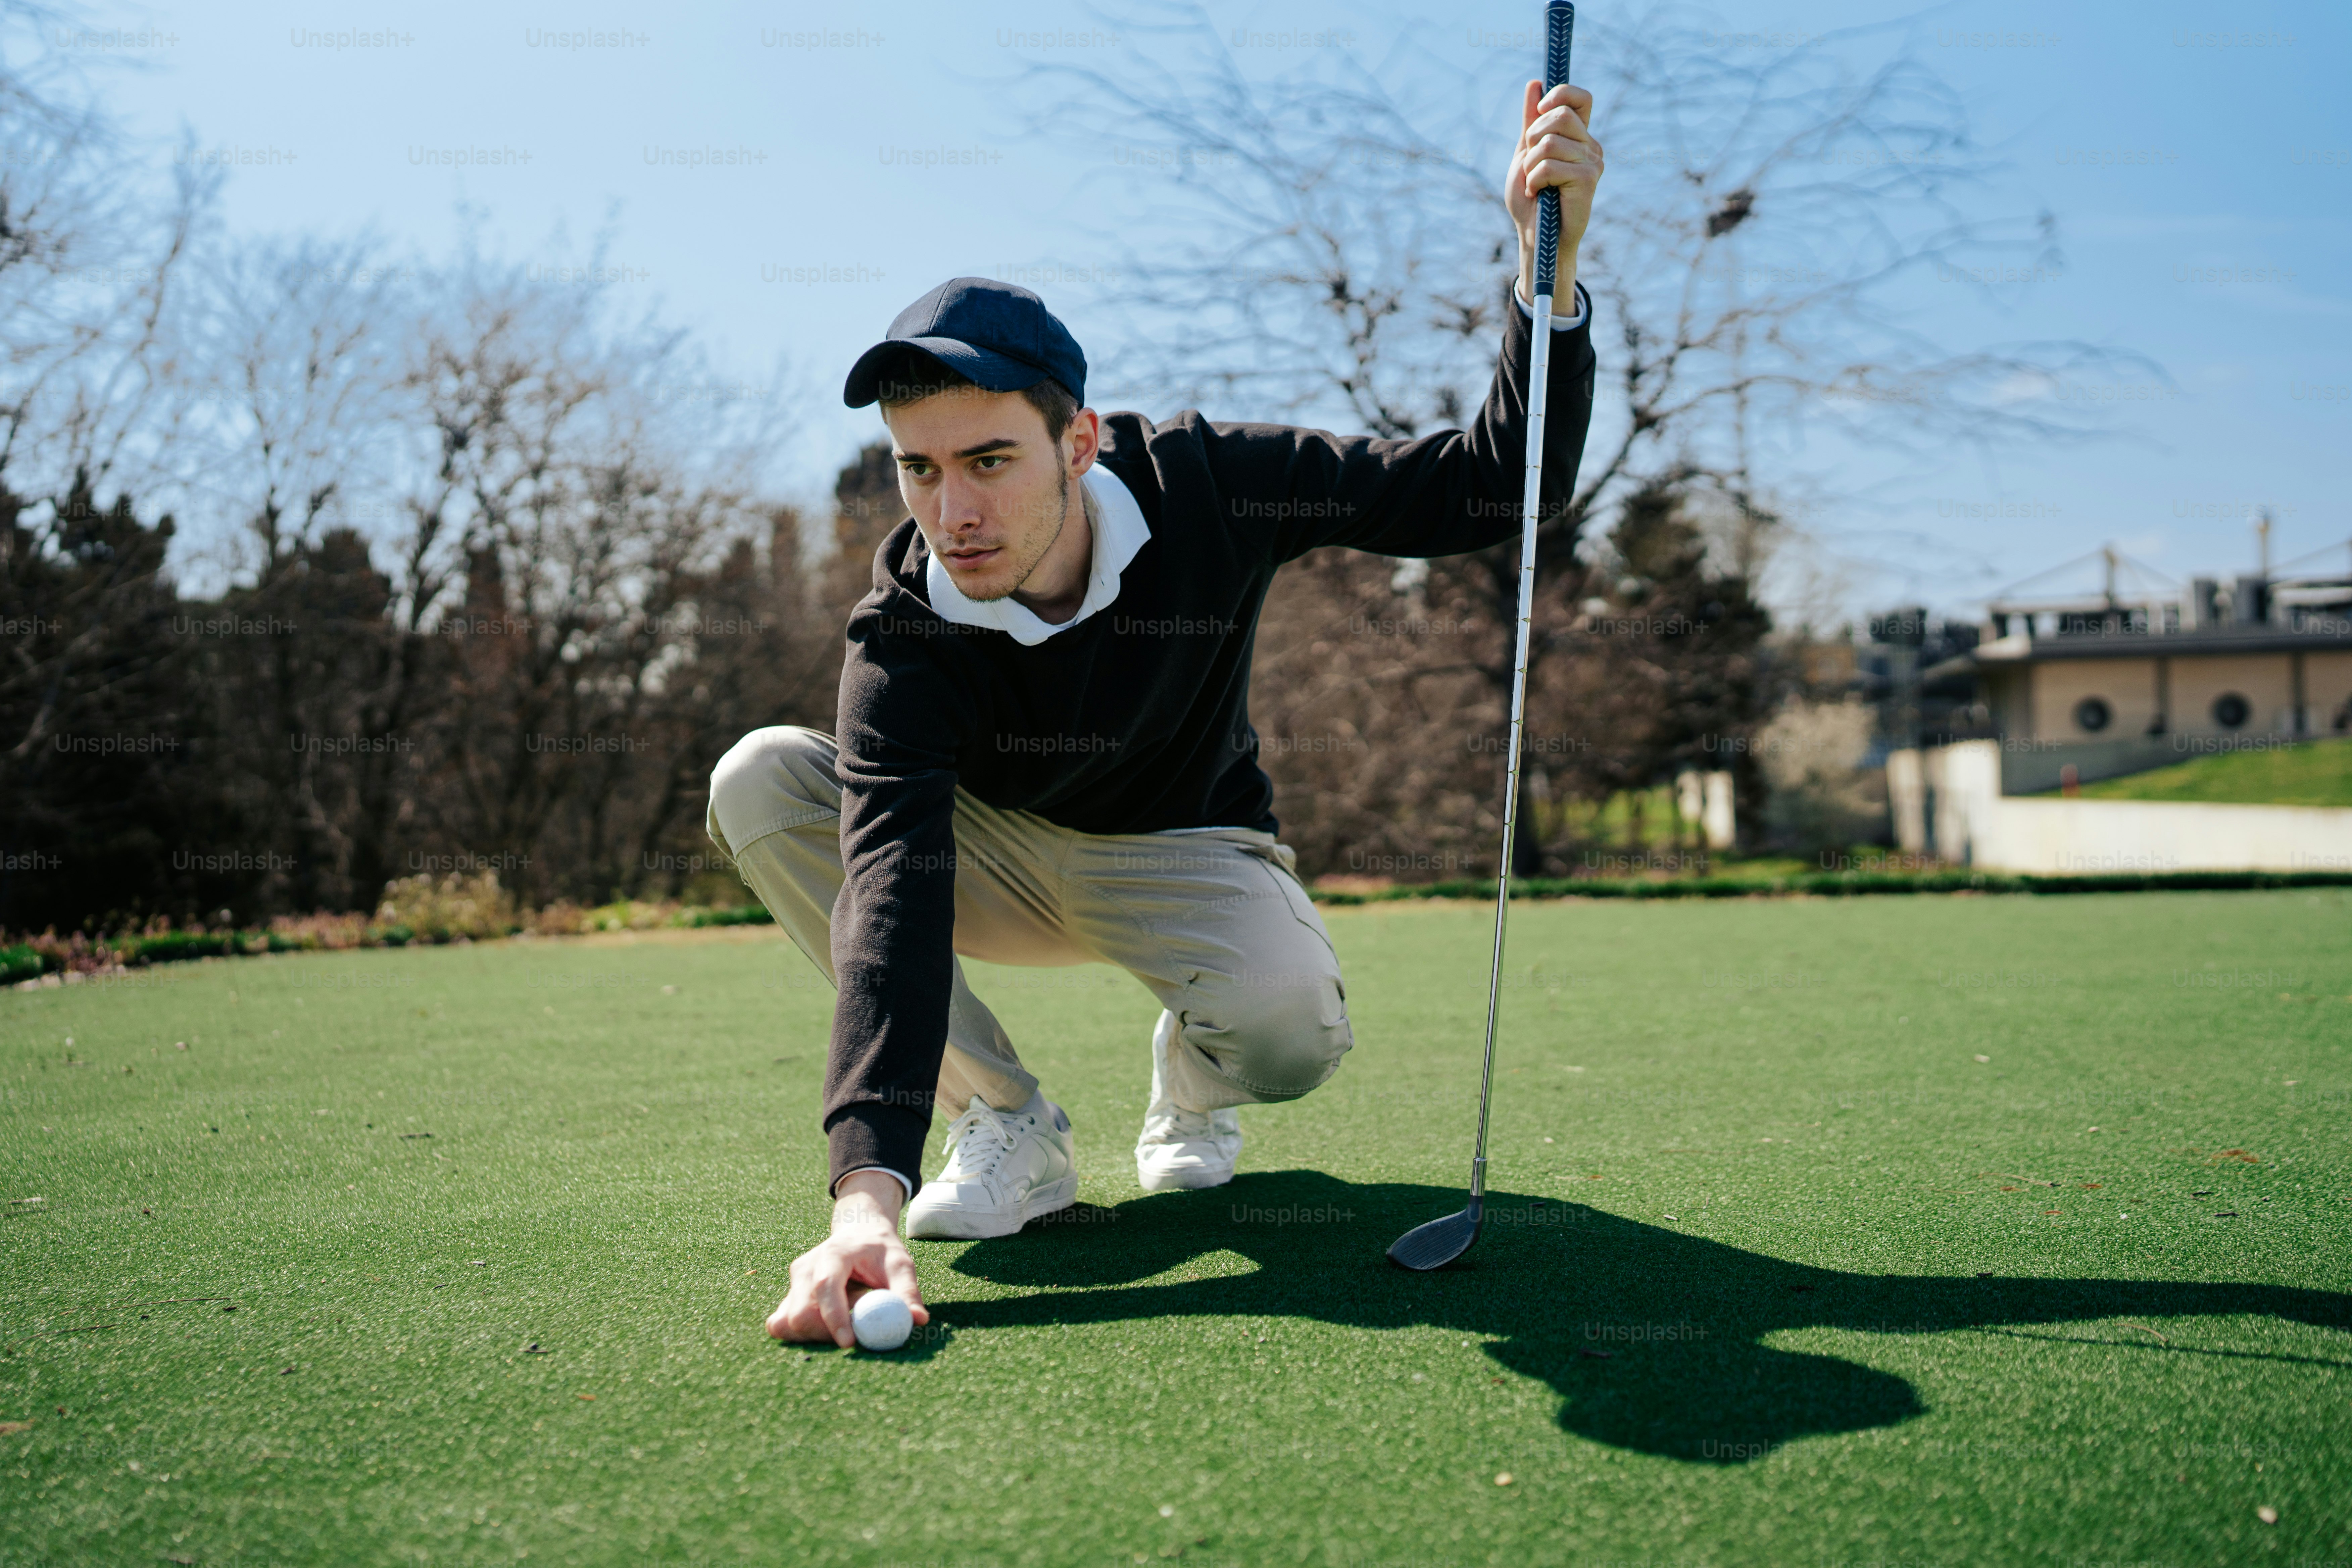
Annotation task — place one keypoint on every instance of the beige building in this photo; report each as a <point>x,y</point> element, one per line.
<point>2102,685</point>
<point>2223,681</point>
<point>2256,656</point>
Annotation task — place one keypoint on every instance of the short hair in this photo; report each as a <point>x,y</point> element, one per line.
<point>917,376</point>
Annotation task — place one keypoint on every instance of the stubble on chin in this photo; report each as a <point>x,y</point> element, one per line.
<point>1004,584</point>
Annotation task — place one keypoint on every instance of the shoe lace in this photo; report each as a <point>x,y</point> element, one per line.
<point>977,1139</point>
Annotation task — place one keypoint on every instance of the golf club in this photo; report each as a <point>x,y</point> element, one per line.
<point>1441,1241</point>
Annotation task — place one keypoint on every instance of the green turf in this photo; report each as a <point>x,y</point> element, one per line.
<point>1780,1269</point>
<point>2319,772</point>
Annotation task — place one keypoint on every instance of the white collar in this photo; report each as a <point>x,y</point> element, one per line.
<point>1119,531</point>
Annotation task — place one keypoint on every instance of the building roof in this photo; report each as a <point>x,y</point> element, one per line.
<point>2022,647</point>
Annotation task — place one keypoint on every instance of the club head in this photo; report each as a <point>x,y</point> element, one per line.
<point>1438,1243</point>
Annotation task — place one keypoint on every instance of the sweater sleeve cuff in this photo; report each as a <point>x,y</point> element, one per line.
<point>1560,323</point>
<point>898,1176</point>
<point>867,1134</point>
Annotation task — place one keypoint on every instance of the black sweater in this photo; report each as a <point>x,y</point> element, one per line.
<point>1133,721</point>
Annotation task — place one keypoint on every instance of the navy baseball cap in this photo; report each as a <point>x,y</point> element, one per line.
<point>999,335</point>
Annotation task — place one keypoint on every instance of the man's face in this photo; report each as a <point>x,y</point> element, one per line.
<point>985,484</point>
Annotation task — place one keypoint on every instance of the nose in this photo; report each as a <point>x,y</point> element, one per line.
<point>960,508</point>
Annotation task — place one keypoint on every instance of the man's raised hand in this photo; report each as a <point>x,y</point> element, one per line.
<point>1556,152</point>
<point>864,1250</point>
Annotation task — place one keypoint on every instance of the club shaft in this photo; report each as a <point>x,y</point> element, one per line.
<point>1531,511</point>
<point>1559,23</point>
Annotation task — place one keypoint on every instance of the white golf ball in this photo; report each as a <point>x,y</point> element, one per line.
<point>882,1319</point>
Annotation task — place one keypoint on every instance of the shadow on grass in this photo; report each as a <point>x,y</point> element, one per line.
<point>1679,1317</point>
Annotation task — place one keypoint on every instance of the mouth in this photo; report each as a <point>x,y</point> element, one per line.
<point>970,560</point>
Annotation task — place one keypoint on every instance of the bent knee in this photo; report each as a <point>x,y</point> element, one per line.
<point>771,780</point>
<point>1282,1041</point>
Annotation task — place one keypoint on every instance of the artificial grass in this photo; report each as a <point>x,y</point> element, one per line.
<point>1807,1244</point>
<point>2316,772</point>
<point>1840,884</point>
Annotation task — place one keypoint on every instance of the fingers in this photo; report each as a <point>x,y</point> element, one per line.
<point>1562,166</point>
<point>901,1271</point>
<point>1556,146</point>
<point>884,1264</point>
<point>830,1295</point>
<point>1566,110</point>
<point>1567,95</point>
<point>818,1305</point>
<point>786,1321</point>
<point>795,1318</point>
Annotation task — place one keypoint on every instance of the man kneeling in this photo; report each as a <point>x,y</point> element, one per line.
<point>1045,757</point>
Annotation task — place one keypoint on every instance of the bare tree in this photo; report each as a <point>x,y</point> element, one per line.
<point>1764,212</point>
<point>290,356</point>
<point>92,250</point>
<point>1761,209</point>
<point>292,351</point>
<point>582,599</point>
<point>587,490</point>
<point>92,247</point>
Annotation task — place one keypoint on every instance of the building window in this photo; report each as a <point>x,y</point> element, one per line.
<point>2231,710</point>
<point>2092,715</point>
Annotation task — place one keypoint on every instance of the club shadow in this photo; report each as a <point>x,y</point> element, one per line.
<point>1653,1338</point>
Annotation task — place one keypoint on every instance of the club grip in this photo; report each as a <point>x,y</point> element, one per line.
<point>1560,28</point>
<point>1559,23</point>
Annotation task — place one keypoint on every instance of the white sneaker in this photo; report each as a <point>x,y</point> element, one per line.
<point>1178,1148</point>
<point>1004,1168</point>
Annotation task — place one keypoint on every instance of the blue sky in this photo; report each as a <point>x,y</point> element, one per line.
<point>2177,144</point>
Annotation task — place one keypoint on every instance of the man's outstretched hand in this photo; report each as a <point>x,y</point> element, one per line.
<point>864,1250</point>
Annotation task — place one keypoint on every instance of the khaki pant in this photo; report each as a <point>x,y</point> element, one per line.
<point>1214,923</point>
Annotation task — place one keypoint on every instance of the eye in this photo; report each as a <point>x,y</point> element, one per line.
<point>992,462</point>
<point>916,470</point>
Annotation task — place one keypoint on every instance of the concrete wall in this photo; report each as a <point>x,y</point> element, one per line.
<point>1970,822</point>
<point>1907,800</point>
<point>2030,767</point>
<point>1706,798</point>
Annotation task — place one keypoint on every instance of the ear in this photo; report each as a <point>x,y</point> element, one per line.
<point>1082,442</point>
